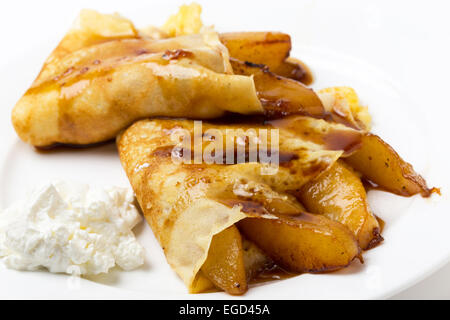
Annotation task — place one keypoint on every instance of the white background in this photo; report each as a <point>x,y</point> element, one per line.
<point>409,40</point>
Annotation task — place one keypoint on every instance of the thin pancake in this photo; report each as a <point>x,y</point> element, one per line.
<point>186,204</point>
<point>103,77</point>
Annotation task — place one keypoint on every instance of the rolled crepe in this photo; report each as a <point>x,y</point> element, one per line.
<point>104,75</point>
<point>186,204</point>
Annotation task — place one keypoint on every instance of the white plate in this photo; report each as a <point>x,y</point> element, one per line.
<point>416,236</point>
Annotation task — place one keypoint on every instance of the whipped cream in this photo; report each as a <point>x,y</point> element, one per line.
<point>71,228</point>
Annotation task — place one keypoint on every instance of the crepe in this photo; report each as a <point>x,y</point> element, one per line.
<point>105,74</point>
<point>186,204</point>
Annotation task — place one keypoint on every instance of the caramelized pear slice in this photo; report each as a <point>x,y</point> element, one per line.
<point>378,162</point>
<point>224,265</point>
<point>339,194</point>
<point>201,283</point>
<point>280,96</point>
<point>268,48</point>
<point>294,69</point>
<point>305,243</point>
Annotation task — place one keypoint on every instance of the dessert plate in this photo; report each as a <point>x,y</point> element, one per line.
<point>416,237</point>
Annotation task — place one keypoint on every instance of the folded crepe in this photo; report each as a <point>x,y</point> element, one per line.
<point>105,74</point>
<point>187,203</point>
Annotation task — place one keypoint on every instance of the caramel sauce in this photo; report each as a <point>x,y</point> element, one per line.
<point>257,206</point>
<point>295,69</point>
<point>247,206</point>
<point>272,273</point>
<point>381,223</point>
<point>301,71</point>
<point>176,54</point>
<point>280,96</point>
<point>349,141</point>
<point>285,157</point>
<point>335,139</point>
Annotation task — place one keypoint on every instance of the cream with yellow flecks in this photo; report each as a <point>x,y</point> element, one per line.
<point>345,102</point>
<point>186,21</point>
